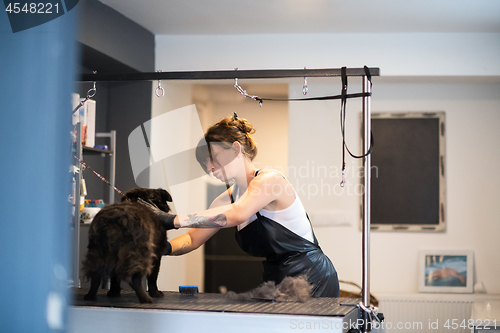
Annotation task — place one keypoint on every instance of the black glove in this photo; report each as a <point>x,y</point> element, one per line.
<point>166,219</point>
<point>168,249</point>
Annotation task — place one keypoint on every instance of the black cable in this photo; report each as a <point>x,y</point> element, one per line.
<point>321,98</point>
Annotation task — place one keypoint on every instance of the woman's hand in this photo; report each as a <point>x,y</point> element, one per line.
<point>165,218</point>
<point>190,241</point>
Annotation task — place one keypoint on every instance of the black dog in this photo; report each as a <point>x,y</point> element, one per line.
<point>126,240</point>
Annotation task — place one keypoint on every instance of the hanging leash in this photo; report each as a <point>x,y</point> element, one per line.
<point>86,166</point>
<point>344,96</point>
<point>321,98</point>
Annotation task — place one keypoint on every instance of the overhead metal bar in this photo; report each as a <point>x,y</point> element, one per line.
<point>226,74</point>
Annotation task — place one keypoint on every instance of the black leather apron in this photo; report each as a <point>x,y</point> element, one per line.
<point>288,254</point>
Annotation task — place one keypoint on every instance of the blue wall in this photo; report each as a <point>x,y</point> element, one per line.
<point>112,43</point>
<point>37,78</point>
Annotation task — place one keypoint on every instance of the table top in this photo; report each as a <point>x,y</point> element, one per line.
<point>324,306</point>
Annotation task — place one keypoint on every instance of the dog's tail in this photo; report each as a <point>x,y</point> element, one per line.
<point>93,262</point>
<point>97,251</point>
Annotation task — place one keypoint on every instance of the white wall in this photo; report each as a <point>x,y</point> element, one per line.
<point>217,101</point>
<point>397,54</point>
<point>421,72</point>
<point>472,157</point>
<point>188,269</point>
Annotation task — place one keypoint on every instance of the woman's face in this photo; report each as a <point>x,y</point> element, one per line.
<point>223,163</point>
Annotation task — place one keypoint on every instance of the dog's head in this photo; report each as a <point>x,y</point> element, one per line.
<point>159,197</point>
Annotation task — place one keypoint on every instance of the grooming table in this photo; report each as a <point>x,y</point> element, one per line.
<point>204,312</point>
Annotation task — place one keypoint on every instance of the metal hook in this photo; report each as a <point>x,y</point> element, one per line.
<point>342,183</point>
<point>159,88</point>
<point>91,92</point>
<point>244,92</point>
<point>237,86</point>
<point>304,87</point>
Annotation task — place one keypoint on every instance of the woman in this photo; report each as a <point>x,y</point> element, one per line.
<point>270,218</point>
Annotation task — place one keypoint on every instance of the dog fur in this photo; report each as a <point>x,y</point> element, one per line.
<point>126,242</point>
<point>291,289</point>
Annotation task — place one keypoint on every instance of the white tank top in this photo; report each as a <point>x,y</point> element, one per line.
<point>293,217</point>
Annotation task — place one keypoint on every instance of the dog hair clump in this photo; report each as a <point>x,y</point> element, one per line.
<point>291,289</point>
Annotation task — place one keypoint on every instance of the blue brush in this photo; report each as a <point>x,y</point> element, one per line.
<point>188,290</point>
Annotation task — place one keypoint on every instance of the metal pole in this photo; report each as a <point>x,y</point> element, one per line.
<point>226,74</point>
<point>366,198</point>
<point>112,166</point>
<point>76,217</point>
<point>112,162</point>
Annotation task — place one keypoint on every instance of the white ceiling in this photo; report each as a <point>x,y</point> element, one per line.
<point>310,16</point>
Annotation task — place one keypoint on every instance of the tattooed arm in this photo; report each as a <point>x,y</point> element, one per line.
<point>222,214</point>
<point>260,192</point>
<point>203,227</point>
<point>211,218</point>
<point>196,221</point>
<point>196,237</point>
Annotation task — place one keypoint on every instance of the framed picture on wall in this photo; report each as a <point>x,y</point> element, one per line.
<point>408,179</point>
<point>446,271</point>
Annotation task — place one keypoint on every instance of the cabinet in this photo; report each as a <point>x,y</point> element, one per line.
<point>79,151</point>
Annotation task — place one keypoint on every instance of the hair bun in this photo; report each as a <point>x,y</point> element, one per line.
<point>244,125</point>
<point>229,130</point>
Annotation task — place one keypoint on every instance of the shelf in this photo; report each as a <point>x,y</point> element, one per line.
<point>96,150</point>
<point>79,150</point>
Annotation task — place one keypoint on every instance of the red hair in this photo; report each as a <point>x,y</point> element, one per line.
<point>225,133</point>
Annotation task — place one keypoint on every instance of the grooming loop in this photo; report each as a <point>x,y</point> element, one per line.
<point>92,91</point>
<point>160,92</point>
<point>90,94</point>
